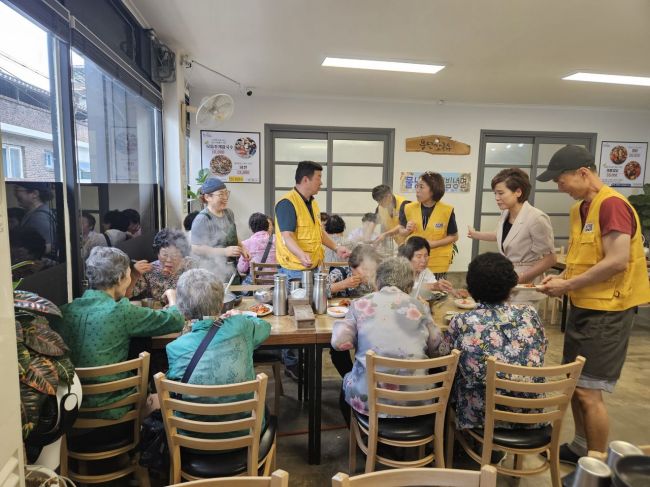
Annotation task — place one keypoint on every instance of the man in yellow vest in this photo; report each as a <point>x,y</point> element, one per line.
<point>606,280</point>
<point>299,234</point>
<point>388,208</point>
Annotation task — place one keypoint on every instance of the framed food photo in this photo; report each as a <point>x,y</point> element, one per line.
<point>233,157</point>
<point>622,164</point>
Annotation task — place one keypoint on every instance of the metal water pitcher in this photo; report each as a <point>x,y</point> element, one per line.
<point>320,294</point>
<point>280,294</point>
<point>308,283</point>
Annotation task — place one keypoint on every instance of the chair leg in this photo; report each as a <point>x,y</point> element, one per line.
<point>277,374</point>
<point>352,448</point>
<point>519,462</point>
<point>142,475</point>
<point>451,438</point>
<point>554,461</point>
<point>438,451</point>
<point>371,456</point>
<point>63,460</point>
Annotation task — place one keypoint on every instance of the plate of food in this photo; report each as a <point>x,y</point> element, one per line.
<point>345,303</point>
<point>632,170</point>
<point>465,303</point>
<point>245,147</point>
<point>337,311</point>
<point>261,309</point>
<point>529,285</point>
<point>618,154</point>
<point>221,165</point>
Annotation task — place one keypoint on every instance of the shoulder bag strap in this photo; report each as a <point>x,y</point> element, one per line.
<point>108,240</point>
<point>199,351</point>
<point>267,250</point>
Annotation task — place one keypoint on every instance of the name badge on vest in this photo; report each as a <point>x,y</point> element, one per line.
<point>439,225</point>
<point>588,228</point>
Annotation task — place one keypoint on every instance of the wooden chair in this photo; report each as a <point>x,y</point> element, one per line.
<point>422,422</point>
<point>196,457</point>
<point>553,398</point>
<point>279,478</point>
<point>263,273</point>
<point>108,438</point>
<point>407,477</point>
<point>326,266</point>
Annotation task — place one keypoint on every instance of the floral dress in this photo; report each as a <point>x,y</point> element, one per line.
<point>513,334</point>
<point>153,284</point>
<point>391,323</point>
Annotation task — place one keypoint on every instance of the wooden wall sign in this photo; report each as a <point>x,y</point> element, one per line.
<point>436,144</point>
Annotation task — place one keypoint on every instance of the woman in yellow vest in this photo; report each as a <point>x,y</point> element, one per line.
<point>430,218</point>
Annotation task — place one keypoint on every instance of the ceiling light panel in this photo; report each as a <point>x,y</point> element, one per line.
<point>381,65</point>
<point>616,79</point>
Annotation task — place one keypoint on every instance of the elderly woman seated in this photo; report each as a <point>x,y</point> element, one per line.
<point>416,250</point>
<point>388,321</point>
<point>98,326</point>
<point>357,279</point>
<point>513,334</point>
<point>229,356</point>
<point>151,280</point>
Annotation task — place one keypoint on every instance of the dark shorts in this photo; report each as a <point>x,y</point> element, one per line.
<point>601,337</point>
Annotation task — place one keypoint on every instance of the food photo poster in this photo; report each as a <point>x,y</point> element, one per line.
<point>233,157</point>
<point>622,164</point>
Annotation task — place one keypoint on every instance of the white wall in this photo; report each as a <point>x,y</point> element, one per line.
<point>462,122</point>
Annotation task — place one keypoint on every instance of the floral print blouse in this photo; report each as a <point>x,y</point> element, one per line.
<point>512,334</point>
<point>391,323</point>
<point>154,283</point>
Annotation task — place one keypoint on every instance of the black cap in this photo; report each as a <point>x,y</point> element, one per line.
<point>211,185</point>
<point>568,158</point>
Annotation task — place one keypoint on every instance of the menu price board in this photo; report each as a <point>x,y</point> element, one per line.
<point>233,157</point>
<point>622,164</point>
<point>455,182</point>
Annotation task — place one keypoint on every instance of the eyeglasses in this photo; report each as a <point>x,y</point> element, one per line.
<point>221,194</point>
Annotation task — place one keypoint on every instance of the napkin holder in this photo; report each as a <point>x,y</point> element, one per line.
<point>291,302</point>
<point>303,316</point>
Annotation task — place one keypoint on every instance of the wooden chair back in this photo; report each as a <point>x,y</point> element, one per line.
<point>263,273</point>
<point>137,381</point>
<point>279,478</point>
<point>172,401</point>
<point>135,385</point>
<point>429,391</point>
<point>406,477</point>
<point>553,396</point>
<point>327,266</point>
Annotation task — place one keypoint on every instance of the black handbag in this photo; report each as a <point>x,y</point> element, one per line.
<point>154,450</point>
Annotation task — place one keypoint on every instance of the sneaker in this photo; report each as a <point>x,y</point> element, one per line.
<point>291,371</point>
<point>567,455</point>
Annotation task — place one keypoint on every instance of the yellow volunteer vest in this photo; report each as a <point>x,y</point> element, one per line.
<point>308,234</point>
<point>388,221</point>
<point>439,258</point>
<point>621,291</point>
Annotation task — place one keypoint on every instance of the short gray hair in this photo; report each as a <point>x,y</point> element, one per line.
<point>199,293</point>
<point>106,267</point>
<point>397,272</point>
<point>361,253</point>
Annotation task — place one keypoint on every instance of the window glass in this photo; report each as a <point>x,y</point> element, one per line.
<point>117,144</point>
<point>296,150</point>
<point>31,163</point>
<point>358,151</point>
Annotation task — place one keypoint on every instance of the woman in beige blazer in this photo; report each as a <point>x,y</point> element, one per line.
<point>524,233</point>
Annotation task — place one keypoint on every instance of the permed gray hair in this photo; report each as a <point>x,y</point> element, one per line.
<point>106,267</point>
<point>199,293</point>
<point>361,253</point>
<point>397,272</point>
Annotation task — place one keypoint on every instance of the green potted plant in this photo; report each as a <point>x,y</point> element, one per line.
<point>641,203</point>
<point>193,196</point>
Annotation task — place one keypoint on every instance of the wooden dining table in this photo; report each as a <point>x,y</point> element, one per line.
<point>285,334</point>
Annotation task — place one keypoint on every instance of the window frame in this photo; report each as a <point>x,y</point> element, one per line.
<point>7,148</point>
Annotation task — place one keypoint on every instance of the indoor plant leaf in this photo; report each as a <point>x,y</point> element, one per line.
<point>42,339</point>
<point>26,300</point>
<point>30,405</point>
<point>24,359</point>
<point>41,375</point>
<point>65,370</point>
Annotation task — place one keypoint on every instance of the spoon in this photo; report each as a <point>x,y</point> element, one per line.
<point>232,278</point>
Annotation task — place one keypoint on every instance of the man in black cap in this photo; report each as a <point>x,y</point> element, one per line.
<point>606,279</point>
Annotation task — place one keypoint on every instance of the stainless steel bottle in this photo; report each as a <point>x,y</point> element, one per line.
<point>308,283</point>
<point>320,294</point>
<point>280,294</point>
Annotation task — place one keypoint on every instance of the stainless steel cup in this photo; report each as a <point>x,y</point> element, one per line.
<point>620,449</point>
<point>591,472</point>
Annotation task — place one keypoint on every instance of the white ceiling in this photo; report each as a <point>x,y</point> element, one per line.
<point>496,51</point>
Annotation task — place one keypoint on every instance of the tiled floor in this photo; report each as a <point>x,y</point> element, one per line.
<point>629,409</point>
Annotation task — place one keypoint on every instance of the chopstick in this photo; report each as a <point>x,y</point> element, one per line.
<point>232,278</point>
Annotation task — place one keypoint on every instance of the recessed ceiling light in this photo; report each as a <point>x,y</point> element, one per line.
<point>616,79</point>
<point>338,62</point>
